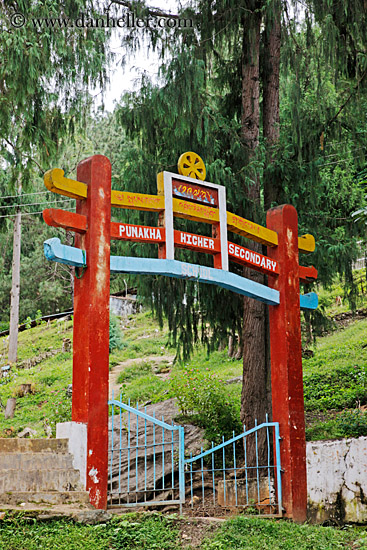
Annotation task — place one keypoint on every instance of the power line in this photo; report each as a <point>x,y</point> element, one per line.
<point>23,195</point>
<point>35,203</point>
<point>23,214</point>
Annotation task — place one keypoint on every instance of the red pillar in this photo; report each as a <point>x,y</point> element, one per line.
<point>286,361</point>
<point>91,324</point>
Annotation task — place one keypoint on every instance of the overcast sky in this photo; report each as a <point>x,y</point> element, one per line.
<point>122,79</point>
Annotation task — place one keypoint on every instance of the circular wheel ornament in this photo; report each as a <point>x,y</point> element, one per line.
<point>191,165</point>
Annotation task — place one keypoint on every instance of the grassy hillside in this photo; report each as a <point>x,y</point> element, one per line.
<point>335,379</point>
<point>153,531</point>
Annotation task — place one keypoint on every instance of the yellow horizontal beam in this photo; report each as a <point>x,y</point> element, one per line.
<point>306,243</point>
<point>194,211</point>
<point>251,230</point>
<point>56,182</point>
<point>137,201</point>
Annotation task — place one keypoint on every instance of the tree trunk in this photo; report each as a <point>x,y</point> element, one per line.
<point>270,79</point>
<point>254,399</point>
<point>10,408</point>
<point>15,289</point>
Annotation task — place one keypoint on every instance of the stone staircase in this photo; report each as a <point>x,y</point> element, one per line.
<point>38,471</point>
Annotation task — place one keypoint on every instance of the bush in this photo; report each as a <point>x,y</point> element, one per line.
<point>343,388</point>
<point>349,423</point>
<point>202,397</point>
<point>116,341</point>
<point>134,372</point>
<point>353,423</point>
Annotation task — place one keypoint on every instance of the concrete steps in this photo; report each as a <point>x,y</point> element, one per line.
<point>38,471</point>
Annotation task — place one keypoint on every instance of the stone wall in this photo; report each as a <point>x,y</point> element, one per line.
<point>337,481</point>
<point>121,306</point>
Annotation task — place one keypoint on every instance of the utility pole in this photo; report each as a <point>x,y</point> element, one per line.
<point>15,284</point>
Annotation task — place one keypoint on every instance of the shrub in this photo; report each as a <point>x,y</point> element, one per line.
<point>116,341</point>
<point>343,388</point>
<point>202,397</point>
<point>134,372</point>
<point>353,423</point>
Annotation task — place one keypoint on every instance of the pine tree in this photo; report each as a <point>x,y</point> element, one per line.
<point>45,75</point>
<point>264,156</point>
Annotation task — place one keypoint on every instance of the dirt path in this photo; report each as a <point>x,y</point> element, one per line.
<point>154,360</point>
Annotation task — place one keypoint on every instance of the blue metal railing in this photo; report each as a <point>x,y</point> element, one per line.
<point>231,484</point>
<point>147,465</point>
<point>149,442</point>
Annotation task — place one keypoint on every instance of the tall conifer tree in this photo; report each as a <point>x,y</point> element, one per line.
<point>220,114</point>
<point>45,77</point>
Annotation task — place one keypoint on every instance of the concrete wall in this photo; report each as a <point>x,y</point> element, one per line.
<point>337,481</point>
<point>123,306</point>
<point>76,433</point>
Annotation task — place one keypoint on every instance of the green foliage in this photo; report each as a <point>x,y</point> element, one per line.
<point>201,397</point>
<point>46,76</point>
<point>353,423</point>
<point>145,388</point>
<point>340,388</point>
<point>38,317</point>
<point>258,534</point>
<point>115,340</point>
<point>348,423</point>
<point>45,286</point>
<point>129,532</point>
<point>28,322</point>
<point>134,372</point>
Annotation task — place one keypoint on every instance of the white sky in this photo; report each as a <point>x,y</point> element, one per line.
<point>122,79</point>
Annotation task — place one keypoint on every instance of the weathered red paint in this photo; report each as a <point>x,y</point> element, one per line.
<point>67,220</point>
<point>286,361</point>
<point>254,260</point>
<point>137,233</point>
<point>199,243</point>
<point>217,258</point>
<point>307,274</point>
<point>91,324</point>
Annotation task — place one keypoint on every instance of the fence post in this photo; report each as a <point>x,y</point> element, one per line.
<point>181,466</point>
<point>286,361</point>
<point>91,324</point>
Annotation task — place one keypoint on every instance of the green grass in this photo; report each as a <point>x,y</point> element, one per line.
<point>48,404</point>
<point>153,531</point>
<point>134,372</point>
<point>146,388</point>
<point>132,531</point>
<point>346,347</point>
<point>43,338</point>
<point>256,534</point>
<point>334,379</point>
<point>328,296</point>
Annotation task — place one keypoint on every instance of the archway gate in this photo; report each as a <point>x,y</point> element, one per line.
<point>185,197</point>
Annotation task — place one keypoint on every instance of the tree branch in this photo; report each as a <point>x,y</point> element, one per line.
<point>347,100</point>
<point>23,154</point>
<point>156,12</point>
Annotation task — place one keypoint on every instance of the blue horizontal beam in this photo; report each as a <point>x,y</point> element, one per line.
<point>309,300</point>
<point>63,254</point>
<point>182,270</point>
<point>58,252</point>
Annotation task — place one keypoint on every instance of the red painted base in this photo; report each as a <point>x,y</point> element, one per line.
<point>286,362</point>
<point>91,324</point>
